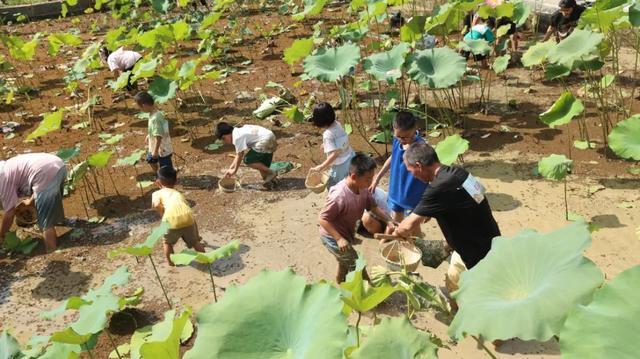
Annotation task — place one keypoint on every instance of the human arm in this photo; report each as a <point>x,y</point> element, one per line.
<point>7,221</point>
<point>330,229</point>
<point>156,147</point>
<point>381,215</point>
<point>327,162</point>
<point>156,203</point>
<point>233,169</point>
<point>381,173</point>
<point>550,31</point>
<point>410,225</point>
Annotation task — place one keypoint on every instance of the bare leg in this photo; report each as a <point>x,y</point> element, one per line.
<point>371,224</point>
<point>168,251</point>
<point>198,245</point>
<point>50,239</point>
<point>341,276</point>
<point>264,170</point>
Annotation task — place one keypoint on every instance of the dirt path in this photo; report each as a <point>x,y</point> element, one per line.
<point>279,229</point>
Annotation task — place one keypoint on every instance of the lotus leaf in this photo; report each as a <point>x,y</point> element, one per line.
<point>547,276</point>
<point>387,66</point>
<point>51,122</point>
<point>562,111</point>
<point>446,18</point>
<point>440,67</point>
<point>56,40</point>
<point>501,63</point>
<point>537,54</point>
<point>555,167</point>
<point>59,350</point>
<point>146,248</point>
<point>69,336</point>
<point>583,145</point>
<point>361,296</point>
<point>332,63</point>
<point>413,30</point>
<point>161,6</point>
<point>603,20</point>
<point>99,159</point>
<point>451,148</point>
<point>120,82</point>
<point>163,89</point>
<point>554,71</point>
<point>14,244</point>
<point>311,7</point>
<point>609,325</point>
<point>396,338</point>
<point>187,256</point>
<point>294,114</point>
<point>476,47</point>
<point>20,49</point>
<point>634,14</point>
<point>580,44</point>
<point>164,341</point>
<point>300,49</point>
<point>382,137</point>
<point>130,160</point>
<point>209,21</point>
<point>274,315</point>
<point>144,69</point>
<point>521,12</point>
<point>9,347</point>
<point>624,139</point>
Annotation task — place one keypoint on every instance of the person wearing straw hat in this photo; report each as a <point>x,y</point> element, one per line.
<point>41,177</point>
<point>346,202</point>
<point>456,200</point>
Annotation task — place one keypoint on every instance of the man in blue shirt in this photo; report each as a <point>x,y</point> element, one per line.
<point>404,189</point>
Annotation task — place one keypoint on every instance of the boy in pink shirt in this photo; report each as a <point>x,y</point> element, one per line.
<point>41,177</point>
<point>346,202</point>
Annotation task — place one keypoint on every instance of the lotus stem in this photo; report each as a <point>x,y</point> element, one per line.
<point>358,330</point>
<point>213,285</point>
<point>86,347</point>
<point>160,281</point>
<point>113,182</point>
<point>566,206</point>
<point>115,347</point>
<point>481,343</point>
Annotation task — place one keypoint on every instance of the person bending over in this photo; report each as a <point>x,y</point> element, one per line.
<point>564,20</point>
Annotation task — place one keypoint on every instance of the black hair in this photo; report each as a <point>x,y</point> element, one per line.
<point>396,20</point>
<point>104,53</point>
<point>421,152</point>
<point>361,164</point>
<point>323,115</point>
<point>144,98</point>
<point>167,176</point>
<point>404,121</point>
<point>564,4</point>
<point>223,128</point>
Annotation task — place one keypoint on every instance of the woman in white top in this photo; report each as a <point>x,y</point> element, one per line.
<point>120,61</point>
<point>335,143</point>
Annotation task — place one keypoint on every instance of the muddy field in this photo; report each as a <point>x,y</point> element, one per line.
<point>278,228</point>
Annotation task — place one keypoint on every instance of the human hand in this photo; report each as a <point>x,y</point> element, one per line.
<point>373,186</point>
<point>342,244</point>
<point>229,173</point>
<point>154,155</point>
<point>316,169</point>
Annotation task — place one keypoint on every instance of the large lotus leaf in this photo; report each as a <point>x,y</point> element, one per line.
<point>387,66</point>
<point>537,54</point>
<point>163,89</point>
<point>555,71</point>
<point>311,7</point>
<point>562,111</point>
<point>9,347</point>
<point>440,67</point>
<point>396,338</point>
<point>526,285</point>
<point>603,20</point>
<point>446,18</point>
<point>93,317</point>
<point>578,45</point>
<point>164,341</point>
<point>70,336</point>
<point>50,123</point>
<point>187,256</point>
<point>624,139</point>
<point>130,160</point>
<point>274,315</point>
<point>59,350</point>
<point>521,12</point>
<point>501,63</point>
<point>361,296</point>
<point>451,148</point>
<point>607,327</point>
<point>554,167</point>
<point>146,248</point>
<point>300,49</point>
<point>476,47</point>
<point>413,30</point>
<point>144,69</point>
<point>99,159</point>
<point>56,40</point>
<point>634,14</point>
<point>330,64</point>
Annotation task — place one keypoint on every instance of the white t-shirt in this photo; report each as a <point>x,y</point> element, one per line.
<point>255,137</point>
<point>122,60</point>
<point>380,196</point>
<point>334,138</point>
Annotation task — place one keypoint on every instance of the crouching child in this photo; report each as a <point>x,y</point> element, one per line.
<point>346,202</point>
<point>175,210</point>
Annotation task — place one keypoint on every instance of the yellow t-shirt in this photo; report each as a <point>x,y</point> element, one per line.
<point>176,209</point>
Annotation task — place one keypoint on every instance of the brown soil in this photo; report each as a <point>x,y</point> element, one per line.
<point>278,228</point>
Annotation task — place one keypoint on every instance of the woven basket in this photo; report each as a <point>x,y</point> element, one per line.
<point>316,181</point>
<point>401,254</point>
<point>229,184</point>
<point>26,215</point>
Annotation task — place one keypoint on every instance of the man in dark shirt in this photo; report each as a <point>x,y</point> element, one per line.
<point>564,20</point>
<point>456,200</point>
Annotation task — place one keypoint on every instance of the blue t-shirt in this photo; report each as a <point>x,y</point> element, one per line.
<point>404,190</point>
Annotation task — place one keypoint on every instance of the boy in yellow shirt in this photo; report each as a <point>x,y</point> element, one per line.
<point>175,210</point>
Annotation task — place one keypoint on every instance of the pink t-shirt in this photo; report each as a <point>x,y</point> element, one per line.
<point>23,175</point>
<point>344,207</point>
